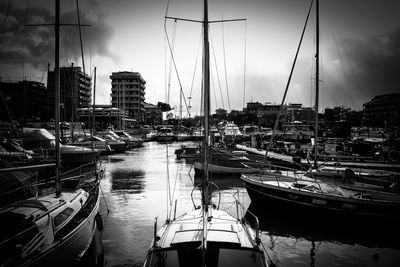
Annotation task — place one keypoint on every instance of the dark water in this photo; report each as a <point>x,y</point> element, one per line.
<point>135,192</point>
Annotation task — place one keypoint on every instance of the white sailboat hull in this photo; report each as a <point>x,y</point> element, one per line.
<point>72,247</point>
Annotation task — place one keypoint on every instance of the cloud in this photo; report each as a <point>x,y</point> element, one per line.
<point>33,46</point>
<point>372,66</point>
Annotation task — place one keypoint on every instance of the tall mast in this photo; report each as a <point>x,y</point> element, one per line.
<point>94,100</point>
<point>57,94</point>
<point>206,83</point>
<point>93,130</point>
<point>316,83</point>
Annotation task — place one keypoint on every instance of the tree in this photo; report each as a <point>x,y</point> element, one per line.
<point>163,106</point>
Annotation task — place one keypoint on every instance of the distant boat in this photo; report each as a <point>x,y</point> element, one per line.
<point>114,141</point>
<point>182,137</point>
<point>151,135</point>
<point>231,133</point>
<point>96,142</point>
<point>132,142</point>
<point>223,162</point>
<point>205,236</point>
<point>249,130</point>
<point>165,134</point>
<point>42,141</point>
<point>187,152</point>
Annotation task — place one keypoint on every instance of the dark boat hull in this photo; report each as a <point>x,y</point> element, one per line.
<point>307,204</point>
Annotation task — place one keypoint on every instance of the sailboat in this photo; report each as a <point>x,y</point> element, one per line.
<point>299,194</point>
<point>223,162</point>
<point>205,236</point>
<point>54,229</point>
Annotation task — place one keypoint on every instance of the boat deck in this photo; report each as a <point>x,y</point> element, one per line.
<point>188,228</point>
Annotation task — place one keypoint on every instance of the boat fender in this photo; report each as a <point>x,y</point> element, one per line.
<point>99,222</point>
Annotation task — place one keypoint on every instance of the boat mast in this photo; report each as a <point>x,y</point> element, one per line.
<point>206,83</point>
<point>93,108</point>
<point>316,83</point>
<point>57,94</point>
<point>206,142</point>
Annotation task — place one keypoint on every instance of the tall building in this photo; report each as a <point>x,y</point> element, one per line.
<point>127,93</point>
<point>24,101</point>
<point>75,92</point>
<point>383,110</point>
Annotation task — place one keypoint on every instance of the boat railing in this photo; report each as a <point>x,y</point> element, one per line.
<point>81,174</point>
<point>209,184</point>
<point>280,175</point>
<point>244,219</point>
<point>24,168</point>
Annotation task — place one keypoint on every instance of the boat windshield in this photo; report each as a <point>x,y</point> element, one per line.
<point>215,256</point>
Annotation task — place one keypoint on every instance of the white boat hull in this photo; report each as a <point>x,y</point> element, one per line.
<point>69,250</point>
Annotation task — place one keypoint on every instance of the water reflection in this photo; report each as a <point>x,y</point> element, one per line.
<point>283,223</point>
<point>127,180</point>
<point>135,189</point>
<point>352,244</point>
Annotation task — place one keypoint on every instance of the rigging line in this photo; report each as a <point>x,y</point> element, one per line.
<point>244,63</point>
<point>176,69</point>
<point>213,87</point>
<point>170,61</point>
<point>9,114</point>
<point>168,183</point>
<point>174,190</point>
<point>352,72</point>
<point>90,56</point>
<point>226,76</point>
<point>165,54</point>
<point>288,83</point>
<point>80,38</point>
<point>80,35</point>
<point>165,70</point>
<point>202,99</point>
<point>341,63</point>
<point>312,80</point>
<point>26,12</point>
<point>44,72</point>
<point>3,30</point>
<point>216,67</point>
<point>194,71</point>
<point>322,88</point>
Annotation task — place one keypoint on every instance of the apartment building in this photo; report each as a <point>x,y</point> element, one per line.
<point>75,92</point>
<point>128,93</point>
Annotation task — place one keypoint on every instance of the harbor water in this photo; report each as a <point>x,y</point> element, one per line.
<point>135,194</point>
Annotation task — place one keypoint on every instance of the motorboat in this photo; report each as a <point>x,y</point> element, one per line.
<point>165,134</point>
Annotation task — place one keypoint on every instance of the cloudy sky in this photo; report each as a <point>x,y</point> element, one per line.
<point>251,60</point>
